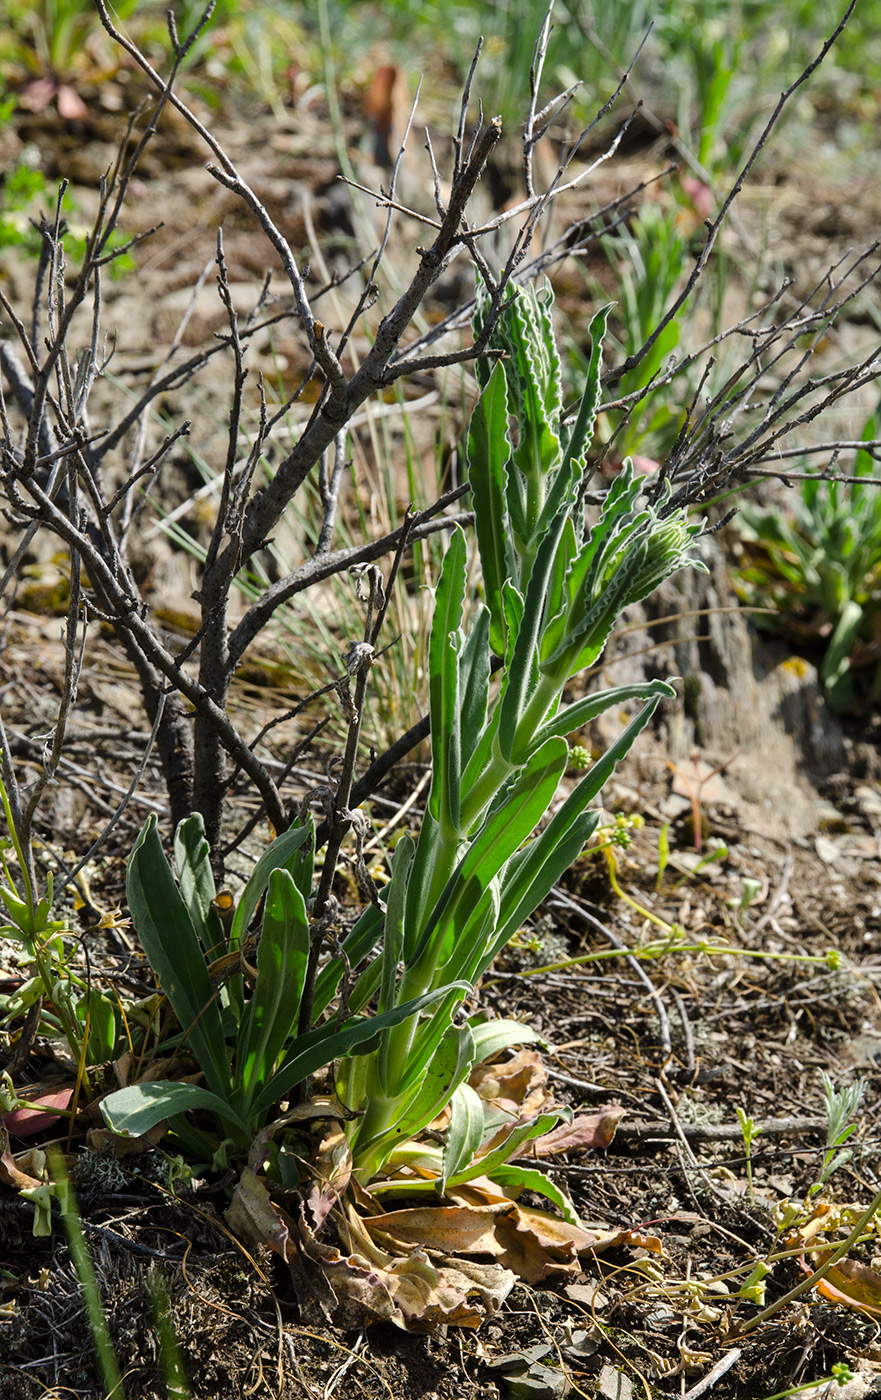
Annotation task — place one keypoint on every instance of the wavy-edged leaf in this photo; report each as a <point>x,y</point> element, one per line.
<point>535,388</point>
<point>175,954</point>
<point>517,1179</point>
<point>499,1156</point>
<point>587,709</point>
<point>523,666</point>
<point>582,428</point>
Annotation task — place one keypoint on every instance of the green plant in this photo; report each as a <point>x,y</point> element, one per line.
<point>82,1260</point>
<point>21,186</point>
<point>841,1106</point>
<point>247,1047</point>
<point>459,894</point>
<point>840,1374</point>
<point>65,1004</point>
<point>818,562</point>
<point>750,1132</point>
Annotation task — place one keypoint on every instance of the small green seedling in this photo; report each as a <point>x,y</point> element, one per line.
<point>750,1132</point>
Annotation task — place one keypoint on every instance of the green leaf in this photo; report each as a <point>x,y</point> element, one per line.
<point>531,878</point>
<point>506,828</point>
<point>172,946</point>
<point>428,850</point>
<point>444,691</point>
<point>582,428</point>
<point>523,669</point>
<point>136,1109</point>
<point>491,1037</point>
<point>430,1033</point>
<point>517,1179</point>
<point>488,456</point>
<point>489,1163</point>
<point>474,670</point>
<point>275,857</point>
<point>272,1013</point>
<point>192,858</point>
<point>584,711</point>
<point>327,1042</point>
<point>102,1026</point>
<point>431,1090</point>
<point>464,1134</point>
<point>836,663</point>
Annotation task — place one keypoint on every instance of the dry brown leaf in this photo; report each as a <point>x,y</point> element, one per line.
<point>412,1291</point>
<point>331,1174</point>
<point>27,1122</point>
<point>17,1171</point>
<point>848,1282</point>
<point>518,1084</point>
<point>253,1216</point>
<point>533,1244</point>
<point>586,1131</point>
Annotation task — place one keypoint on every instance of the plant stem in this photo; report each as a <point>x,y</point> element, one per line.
<point>817,1276</point>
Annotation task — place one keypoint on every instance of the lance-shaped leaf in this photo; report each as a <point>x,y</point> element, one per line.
<point>514,1180</point>
<point>488,456</point>
<point>505,829</point>
<point>393,946</point>
<point>444,691</point>
<point>325,1043</point>
<point>192,856</point>
<point>582,428</point>
<point>431,1031</point>
<point>587,709</point>
<point>273,1010</point>
<point>532,876</point>
<point>523,668</point>
<point>498,1156</point>
<point>175,954</point>
<point>275,857</point>
<point>464,1135</point>
<point>447,1067</point>
<point>136,1109</point>
<point>474,671</point>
